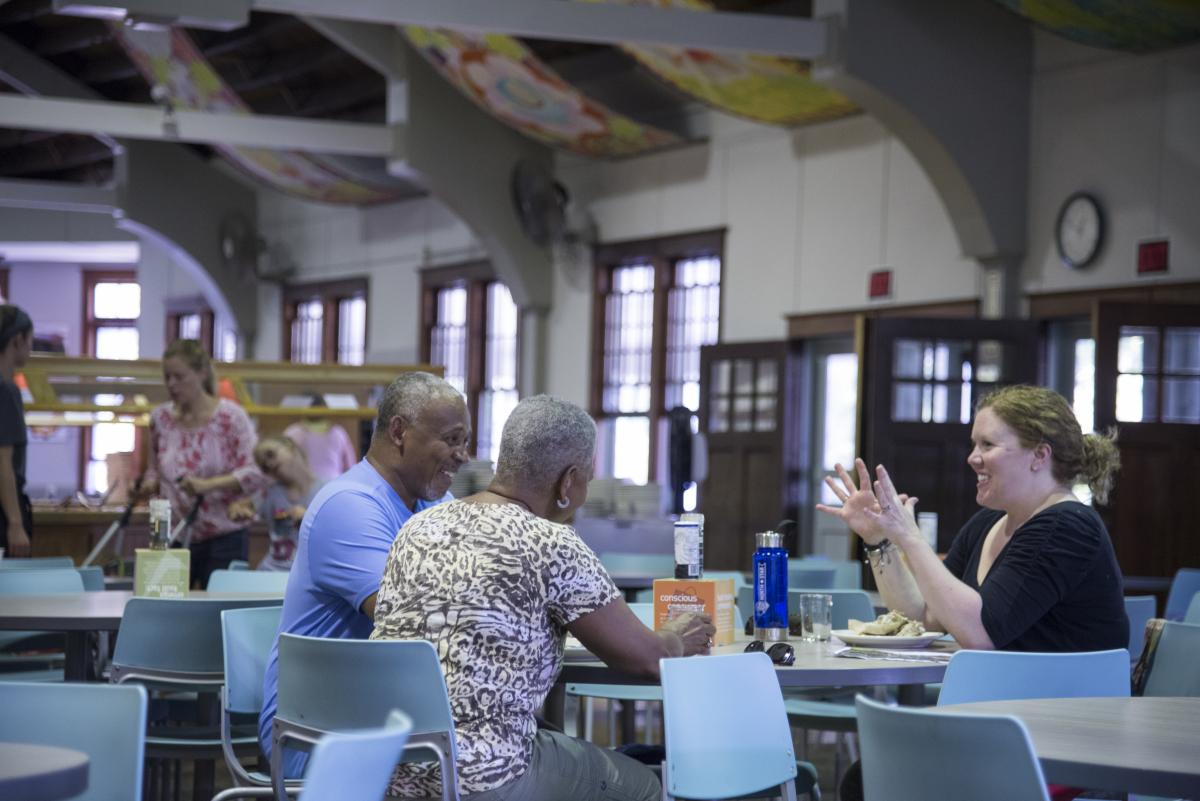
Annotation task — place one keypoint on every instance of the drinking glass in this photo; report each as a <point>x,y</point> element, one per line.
<point>816,611</point>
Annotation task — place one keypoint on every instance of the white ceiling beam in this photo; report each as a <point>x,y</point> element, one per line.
<point>57,196</point>
<point>598,23</point>
<point>374,45</point>
<point>138,121</point>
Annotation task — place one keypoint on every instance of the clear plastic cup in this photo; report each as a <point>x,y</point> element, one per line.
<point>816,611</point>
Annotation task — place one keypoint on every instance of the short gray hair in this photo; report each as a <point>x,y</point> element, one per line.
<point>410,395</point>
<point>544,436</point>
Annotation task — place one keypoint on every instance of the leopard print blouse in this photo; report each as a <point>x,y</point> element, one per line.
<point>493,587</point>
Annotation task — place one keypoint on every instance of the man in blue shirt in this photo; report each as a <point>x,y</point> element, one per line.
<point>421,437</point>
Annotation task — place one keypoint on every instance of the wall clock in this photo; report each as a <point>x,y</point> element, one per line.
<point>1079,231</point>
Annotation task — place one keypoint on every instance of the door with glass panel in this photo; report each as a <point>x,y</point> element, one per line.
<point>1148,386</point>
<point>742,387</point>
<point>922,380</point>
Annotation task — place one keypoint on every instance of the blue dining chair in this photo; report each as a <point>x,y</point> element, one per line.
<point>1184,587</point>
<point>106,723</point>
<point>658,565</point>
<point>1193,610</point>
<point>625,693</point>
<point>274,581</point>
<point>334,685</point>
<point>34,655</point>
<point>847,573</point>
<point>807,577</point>
<point>727,733</point>
<point>247,636</point>
<point>911,754</point>
<point>357,764</point>
<point>93,578</point>
<point>1139,609</point>
<point>172,646</point>
<point>1173,672</point>
<point>1010,675</point>
<point>37,563</point>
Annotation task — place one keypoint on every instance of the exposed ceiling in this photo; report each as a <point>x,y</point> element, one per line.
<point>279,65</point>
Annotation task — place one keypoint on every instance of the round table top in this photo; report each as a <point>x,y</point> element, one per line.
<point>41,772</point>
<point>1133,745</point>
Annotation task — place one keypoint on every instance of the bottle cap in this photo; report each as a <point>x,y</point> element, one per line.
<point>768,539</point>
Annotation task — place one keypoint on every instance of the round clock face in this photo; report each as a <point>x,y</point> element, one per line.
<point>1080,230</point>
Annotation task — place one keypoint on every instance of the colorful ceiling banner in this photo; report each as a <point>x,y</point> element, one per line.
<point>1139,26</point>
<point>767,89</point>
<point>505,78</point>
<point>170,59</point>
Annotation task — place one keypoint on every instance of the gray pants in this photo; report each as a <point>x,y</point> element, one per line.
<point>564,768</point>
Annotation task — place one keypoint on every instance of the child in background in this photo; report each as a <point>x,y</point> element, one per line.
<point>282,509</point>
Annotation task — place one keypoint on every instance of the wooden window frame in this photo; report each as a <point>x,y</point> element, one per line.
<point>478,276</point>
<point>181,307</point>
<point>92,277</point>
<point>330,293</point>
<point>662,253</point>
<point>4,285</point>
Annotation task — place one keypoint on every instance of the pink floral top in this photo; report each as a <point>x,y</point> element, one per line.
<point>225,444</point>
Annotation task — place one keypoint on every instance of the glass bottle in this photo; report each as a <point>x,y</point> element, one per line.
<point>770,587</point>
<point>160,524</point>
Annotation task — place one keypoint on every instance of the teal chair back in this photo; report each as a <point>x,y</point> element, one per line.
<point>847,573</point>
<point>273,581</point>
<point>93,578</point>
<point>806,577</point>
<point>328,685</point>
<point>358,764</point>
<point>175,640</point>
<point>1183,587</point>
<point>247,636</point>
<point>913,754</point>
<point>727,733</point>
<point>36,563</point>
<point>1174,671</point>
<point>1193,610</point>
<point>107,723</point>
<point>1139,609</point>
<point>656,565</point>
<point>1008,675</point>
<point>40,581</point>
<point>847,604</point>
<point>644,612</point>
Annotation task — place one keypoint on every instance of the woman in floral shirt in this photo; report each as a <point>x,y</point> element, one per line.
<point>201,447</point>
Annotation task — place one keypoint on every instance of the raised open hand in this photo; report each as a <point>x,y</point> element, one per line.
<point>872,515</point>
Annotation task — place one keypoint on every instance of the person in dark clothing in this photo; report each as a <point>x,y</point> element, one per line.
<point>16,514</point>
<point>1034,570</point>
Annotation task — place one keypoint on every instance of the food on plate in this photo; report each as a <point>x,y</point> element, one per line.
<point>891,624</point>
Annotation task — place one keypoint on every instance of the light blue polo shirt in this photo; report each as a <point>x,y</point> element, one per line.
<point>345,537</point>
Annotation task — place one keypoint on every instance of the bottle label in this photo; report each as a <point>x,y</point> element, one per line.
<point>687,550</point>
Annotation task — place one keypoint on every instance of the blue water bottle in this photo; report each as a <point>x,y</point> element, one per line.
<point>770,587</point>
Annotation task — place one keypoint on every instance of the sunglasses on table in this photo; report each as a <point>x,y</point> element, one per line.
<point>781,653</point>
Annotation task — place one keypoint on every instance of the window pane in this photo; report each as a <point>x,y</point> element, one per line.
<point>743,414</point>
<point>743,377</point>
<point>499,396</point>
<point>189,326</point>
<point>1083,399</point>
<point>908,359</point>
<point>307,327</point>
<point>631,448</point>
<point>721,372</point>
<point>1137,350</point>
<point>693,318</point>
<point>1182,351</point>
<point>106,438</point>
<point>1136,399</point>
<point>768,378</point>
<point>448,339</point>
<point>764,413</point>
<point>1181,400</point>
<point>116,301</point>
<point>116,342</point>
<point>628,340</point>
<point>906,401</point>
<point>718,416</point>
<point>841,407</point>
<point>227,348</point>
<point>352,330</point>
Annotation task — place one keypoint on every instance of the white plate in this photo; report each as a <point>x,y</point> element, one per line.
<point>882,641</point>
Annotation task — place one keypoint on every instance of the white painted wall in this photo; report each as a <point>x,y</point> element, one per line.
<point>1126,128</point>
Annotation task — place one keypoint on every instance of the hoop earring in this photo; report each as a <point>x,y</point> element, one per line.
<point>562,503</point>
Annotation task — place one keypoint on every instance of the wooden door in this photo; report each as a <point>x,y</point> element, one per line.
<point>1148,386</point>
<point>742,391</point>
<point>921,382</point>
